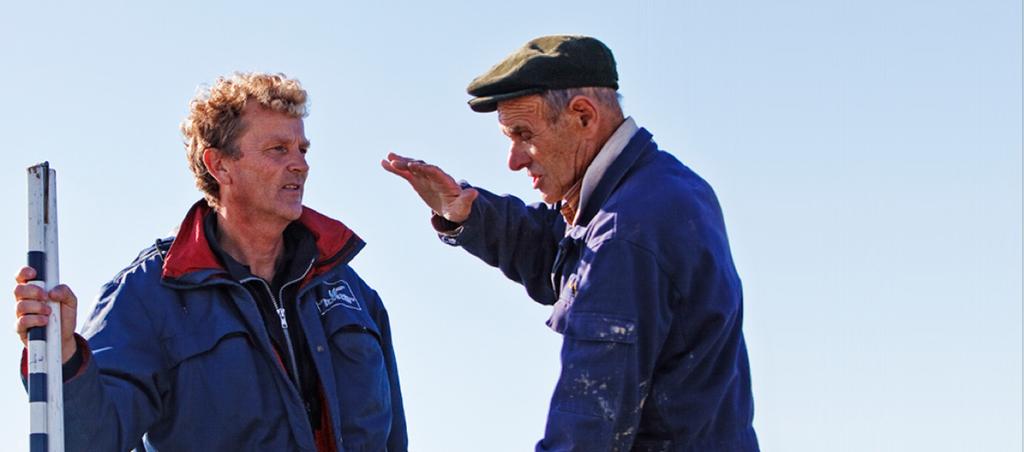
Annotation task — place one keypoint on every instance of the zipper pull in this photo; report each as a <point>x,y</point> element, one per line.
<point>284,321</point>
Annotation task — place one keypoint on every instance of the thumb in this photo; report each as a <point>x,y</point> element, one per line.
<point>63,295</point>
<point>458,210</point>
<point>470,194</point>
<point>465,200</point>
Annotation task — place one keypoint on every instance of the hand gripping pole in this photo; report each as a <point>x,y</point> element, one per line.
<point>45,378</point>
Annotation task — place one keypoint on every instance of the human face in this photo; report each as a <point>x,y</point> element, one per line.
<point>552,154</point>
<point>268,179</point>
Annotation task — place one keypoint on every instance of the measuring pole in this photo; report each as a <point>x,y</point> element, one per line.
<point>45,377</point>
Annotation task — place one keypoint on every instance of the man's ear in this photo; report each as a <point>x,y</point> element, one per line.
<point>584,113</point>
<point>215,160</point>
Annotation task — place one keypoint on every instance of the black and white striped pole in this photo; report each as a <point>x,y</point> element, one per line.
<point>45,379</point>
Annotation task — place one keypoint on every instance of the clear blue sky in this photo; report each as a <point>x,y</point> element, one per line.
<point>867,156</point>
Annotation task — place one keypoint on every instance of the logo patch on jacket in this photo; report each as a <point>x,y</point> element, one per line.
<point>338,295</point>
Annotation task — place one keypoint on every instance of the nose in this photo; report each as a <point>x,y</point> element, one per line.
<point>299,164</point>
<point>518,158</point>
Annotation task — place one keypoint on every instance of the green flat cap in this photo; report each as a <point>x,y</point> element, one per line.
<point>548,62</point>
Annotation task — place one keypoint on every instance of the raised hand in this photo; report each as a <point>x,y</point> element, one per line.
<point>437,189</point>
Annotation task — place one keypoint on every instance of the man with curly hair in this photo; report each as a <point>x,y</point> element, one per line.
<point>247,330</point>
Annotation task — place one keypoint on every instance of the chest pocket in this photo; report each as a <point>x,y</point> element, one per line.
<point>210,352</point>
<point>354,335</point>
<point>217,370</point>
<point>359,366</point>
<point>211,334</point>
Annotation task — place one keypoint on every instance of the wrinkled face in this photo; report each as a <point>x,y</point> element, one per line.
<point>269,177</point>
<point>552,154</point>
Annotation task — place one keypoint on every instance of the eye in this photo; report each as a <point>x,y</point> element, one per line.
<point>303,150</point>
<point>525,136</point>
<point>279,150</point>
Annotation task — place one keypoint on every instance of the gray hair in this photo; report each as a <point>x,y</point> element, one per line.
<point>557,100</point>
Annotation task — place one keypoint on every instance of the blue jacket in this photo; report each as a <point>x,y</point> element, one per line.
<point>179,353</point>
<point>647,299</point>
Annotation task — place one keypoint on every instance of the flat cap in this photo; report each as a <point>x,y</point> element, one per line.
<point>545,63</point>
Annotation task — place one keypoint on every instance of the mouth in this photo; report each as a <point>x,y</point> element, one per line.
<point>292,187</point>
<point>536,180</point>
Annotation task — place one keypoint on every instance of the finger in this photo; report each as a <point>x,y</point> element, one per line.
<point>419,166</point>
<point>21,332</point>
<point>30,321</point>
<point>401,158</point>
<point>434,173</point>
<point>29,292</point>
<point>31,307</point>
<point>63,295</point>
<point>392,157</point>
<point>404,174</point>
<point>403,164</point>
<point>389,167</point>
<point>425,172</point>
<point>414,167</point>
<point>25,275</point>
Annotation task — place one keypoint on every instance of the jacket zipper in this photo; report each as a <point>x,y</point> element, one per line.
<point>279,308</point>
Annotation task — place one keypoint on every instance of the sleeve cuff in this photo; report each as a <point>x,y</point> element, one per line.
<point>71,369</point>
<point>445,227</point>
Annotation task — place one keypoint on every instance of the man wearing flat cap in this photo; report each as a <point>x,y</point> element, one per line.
<point>629,247</point>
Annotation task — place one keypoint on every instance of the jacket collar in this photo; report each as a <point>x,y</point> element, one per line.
<point>190,252</point>
<point>611,150</point>
<point>638,145</point>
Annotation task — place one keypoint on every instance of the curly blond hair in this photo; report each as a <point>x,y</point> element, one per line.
<point>214,119</point>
